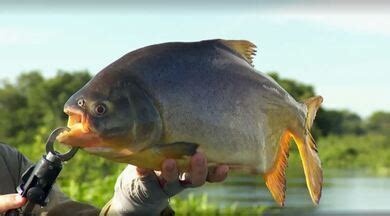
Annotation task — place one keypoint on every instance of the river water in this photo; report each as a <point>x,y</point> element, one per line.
<point>343,193</point>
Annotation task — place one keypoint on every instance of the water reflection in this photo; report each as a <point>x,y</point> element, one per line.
<point>343,192</point>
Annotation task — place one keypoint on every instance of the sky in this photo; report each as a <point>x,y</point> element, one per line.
<point>343,53</point>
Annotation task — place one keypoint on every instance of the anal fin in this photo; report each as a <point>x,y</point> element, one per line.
<point>276,178</point>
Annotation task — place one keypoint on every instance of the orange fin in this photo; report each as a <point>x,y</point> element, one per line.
<point>245,48</point>
<point>308,151</point>
<point>152,157</point>
<point>276,178</point>
<point>311,165</point>
<point>312,105</point>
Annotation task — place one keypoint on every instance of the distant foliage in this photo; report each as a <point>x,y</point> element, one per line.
<point>379,123</point>
<point>336,122</point>
<point>370,153</point>
<point>33,102</point>
<point>298,90</point>
<point>32,106</point>
<point>339,122</point>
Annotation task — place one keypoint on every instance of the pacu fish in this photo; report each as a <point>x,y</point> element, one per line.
<point>170,100</point>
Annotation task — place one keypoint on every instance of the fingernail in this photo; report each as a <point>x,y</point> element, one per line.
<point>19,198</point>
<point>169,166</point>
<point>225,169</point>
<point>200,161</point>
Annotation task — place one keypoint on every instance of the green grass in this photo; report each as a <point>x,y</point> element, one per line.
<point>91,179</point>
<point>200,205</point>
<point>369,153</point>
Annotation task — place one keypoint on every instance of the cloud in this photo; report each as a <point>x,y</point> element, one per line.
<point>371,23</point>
<point>19,36</point>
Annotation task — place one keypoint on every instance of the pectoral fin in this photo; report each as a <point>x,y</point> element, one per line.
<point>153,156</point>
<point>176,150</point>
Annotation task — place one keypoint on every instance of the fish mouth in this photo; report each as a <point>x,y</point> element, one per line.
<point>80,134</point>
<point>77,120</point>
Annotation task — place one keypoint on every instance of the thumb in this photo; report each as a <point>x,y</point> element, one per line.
<point>11,201</point>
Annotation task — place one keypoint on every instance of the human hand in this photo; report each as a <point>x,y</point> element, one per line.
<point>11,201</point>
<point>140,191</point>
<point>198,173</point>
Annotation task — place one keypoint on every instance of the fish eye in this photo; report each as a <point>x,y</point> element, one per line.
<point>100,109</point>
<point>81,102</point>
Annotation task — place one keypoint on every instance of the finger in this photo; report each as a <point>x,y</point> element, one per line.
<point>198,169</point>
<point>218,174</point>
<point>11,201</point>
<point>169,170</point>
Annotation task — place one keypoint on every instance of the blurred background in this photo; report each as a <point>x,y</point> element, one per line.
<point>339,50</point>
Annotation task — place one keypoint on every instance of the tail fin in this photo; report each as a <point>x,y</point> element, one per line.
<point>312,105</point>
<point>276,180</point>
<point>308,151</point>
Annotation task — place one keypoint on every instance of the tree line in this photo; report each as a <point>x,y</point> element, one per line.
<point>33,101</point>
<point>336,122</point>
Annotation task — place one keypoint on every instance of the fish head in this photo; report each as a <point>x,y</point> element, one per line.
<point>97,117</point>
<point>111,118</point>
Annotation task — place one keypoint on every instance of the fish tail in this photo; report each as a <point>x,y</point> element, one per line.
<point>275,179</point>
<point>308,151</point>
<point>312,105</point>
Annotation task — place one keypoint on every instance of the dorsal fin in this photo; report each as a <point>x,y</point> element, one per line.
<point>245,48</point>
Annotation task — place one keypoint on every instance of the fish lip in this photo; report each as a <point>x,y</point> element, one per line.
<point>76,116</point>
<point>80,131</point>
<point>70,110</point>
